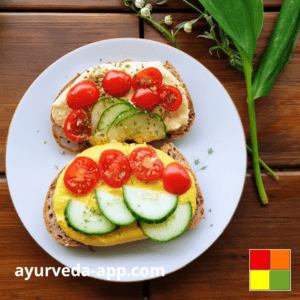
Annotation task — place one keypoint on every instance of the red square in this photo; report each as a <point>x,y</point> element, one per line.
<point>259,259</point>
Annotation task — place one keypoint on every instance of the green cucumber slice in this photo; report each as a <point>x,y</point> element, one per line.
<point>140,127</point>
<point>173,227</point>
<point>123,115</point>
<point>99,107</point>
<point>114,208</point>
<point>110,114</point>
<point>149,206</point>
<point>86,219</point>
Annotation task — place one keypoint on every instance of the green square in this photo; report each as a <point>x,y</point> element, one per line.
<point>280,280</point>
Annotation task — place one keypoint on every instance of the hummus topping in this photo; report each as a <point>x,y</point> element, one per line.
<point>173,120</point>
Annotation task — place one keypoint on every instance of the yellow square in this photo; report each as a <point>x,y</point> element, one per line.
<point>259,280</point>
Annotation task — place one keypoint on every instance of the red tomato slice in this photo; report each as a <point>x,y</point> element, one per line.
<point>145,164</point>
<point>82,175</point>
<point>114,168</point>
<point>170,97</point>
<point>77,125</point>
<point>176,179</point>
<point>83,95</point>
<point>147,78</point>
<point>116,83</point>
<point>145,98</point>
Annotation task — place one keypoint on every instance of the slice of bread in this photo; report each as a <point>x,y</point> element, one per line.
<point>65,143</point>
<point>59,235</point>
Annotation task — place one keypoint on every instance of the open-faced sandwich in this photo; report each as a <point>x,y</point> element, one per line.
<point>124,101</point>
<point>117,193</point>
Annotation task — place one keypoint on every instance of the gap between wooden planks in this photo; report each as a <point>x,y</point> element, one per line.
<point>277,114</point>
<point>31,42</point>
<point>223,266</point>
<point>92,5</point>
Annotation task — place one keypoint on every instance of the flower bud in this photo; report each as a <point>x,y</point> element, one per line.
<point>149,6</point>
<point>140,3</point>
<point>188,27</point>
<point>145,12</point>
<point>168,20</point>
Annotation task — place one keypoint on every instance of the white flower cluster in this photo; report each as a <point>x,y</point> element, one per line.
<point>188,27</point>
<point>168,20</point>
<point>145,11</point>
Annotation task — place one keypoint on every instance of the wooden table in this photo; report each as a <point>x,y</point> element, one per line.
<point>34,34</point>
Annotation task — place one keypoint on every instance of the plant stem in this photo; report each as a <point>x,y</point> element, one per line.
<point>194,7</point>
<point>161,28</point>
<point>253,133</point>
<point>268,169</point>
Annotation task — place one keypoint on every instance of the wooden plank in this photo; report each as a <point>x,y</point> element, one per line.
<point>18,249</point>
<point>92,5</point>
<point>31,42</point>
<point>222,272</point>
<point>277,114</point>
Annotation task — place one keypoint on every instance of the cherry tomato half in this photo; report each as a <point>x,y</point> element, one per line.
<point>145,164</point>
<point>176,179</point>
<point>77,125</point>
<point>116,83</point>
<point>114,168</point>
<point>147,78</point>
<point>83,95</point>
<point>145,98</point>
<point>82,175</point>
<point>170,97</point>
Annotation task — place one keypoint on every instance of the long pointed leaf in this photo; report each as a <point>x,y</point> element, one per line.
<point>280,48</point>
<point>241,19</point>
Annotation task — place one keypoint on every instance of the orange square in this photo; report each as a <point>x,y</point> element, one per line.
<point>280,259</point>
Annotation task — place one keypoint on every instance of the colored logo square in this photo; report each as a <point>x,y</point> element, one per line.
<point>259,259</point>
<point>280,280</point>
<point>280,259</point>
<point>259,280</point>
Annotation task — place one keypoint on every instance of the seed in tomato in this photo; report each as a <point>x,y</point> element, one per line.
<point>77,125</point>
<point>148,77</point>
<point>145,164</point>
<point>170,97</point>
<point>114,168</point>
<point>82,175</point>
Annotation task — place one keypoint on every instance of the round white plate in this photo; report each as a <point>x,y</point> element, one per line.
<point>32,155</point>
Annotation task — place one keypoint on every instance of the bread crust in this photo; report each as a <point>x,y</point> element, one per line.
<point>75,147</point>
<point>59,235</point>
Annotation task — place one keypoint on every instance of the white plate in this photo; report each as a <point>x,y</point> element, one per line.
<point>32,155</point>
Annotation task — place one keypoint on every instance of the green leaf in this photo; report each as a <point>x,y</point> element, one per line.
<point>162,2</point>
<point>183,23</point>
<point>280,48</point>
<point>241,19</point>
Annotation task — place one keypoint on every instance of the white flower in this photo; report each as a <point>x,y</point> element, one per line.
<point>145,12</point>
<point>168,20</point>
<point>149,6</point>
<point>188,27</point>
<point>140,3</point>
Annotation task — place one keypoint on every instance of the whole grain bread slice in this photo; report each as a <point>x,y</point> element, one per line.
<point>68,145</point>
<point>59,235</point>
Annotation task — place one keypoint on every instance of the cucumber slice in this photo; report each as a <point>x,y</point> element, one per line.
<point>99,107</point>
<point>173,227</point>
<point>149,206</point>
<point>87,219</point>
<point>114,208</point>
<point>123,115</point>
<point>109,115</point>
<point>140,127</point>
